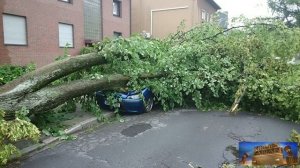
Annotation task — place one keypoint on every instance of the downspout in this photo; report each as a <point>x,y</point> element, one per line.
<point>130,17</point>
<point>101,22</point>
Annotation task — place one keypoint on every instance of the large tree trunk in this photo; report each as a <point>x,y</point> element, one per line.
<point>33,92</point>
<point>41,77</point>
<point>50,97</point>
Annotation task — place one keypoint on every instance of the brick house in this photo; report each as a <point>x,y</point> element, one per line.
<point>159,18</point>
<point>118,23</point>
<point>38,30</point>
<point>114,19</point>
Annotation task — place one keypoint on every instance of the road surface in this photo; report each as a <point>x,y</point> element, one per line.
<point>176,139</point>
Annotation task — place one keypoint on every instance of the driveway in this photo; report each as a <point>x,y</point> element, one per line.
<point>176,139</point>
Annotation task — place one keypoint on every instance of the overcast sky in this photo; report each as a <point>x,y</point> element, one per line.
<point>248,8</point>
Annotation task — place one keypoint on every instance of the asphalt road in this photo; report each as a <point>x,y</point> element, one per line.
<point>163,140</point>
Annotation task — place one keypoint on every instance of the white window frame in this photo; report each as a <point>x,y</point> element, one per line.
<point>61,42</point>
<point>16,35</point>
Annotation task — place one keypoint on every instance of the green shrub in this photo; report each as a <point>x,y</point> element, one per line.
<point>11,72</point>
<point>86,50</point>
<point>51,123</point>
<point>13,131</point>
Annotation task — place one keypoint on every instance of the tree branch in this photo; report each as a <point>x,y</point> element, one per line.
<point>235,27</point>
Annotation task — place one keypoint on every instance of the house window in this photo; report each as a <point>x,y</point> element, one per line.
<point>117,34</point>
<point>66,35</point>
<point>67,1</point>
<point>203,15</point>
<point>14,28</point>
<point>117,8</point>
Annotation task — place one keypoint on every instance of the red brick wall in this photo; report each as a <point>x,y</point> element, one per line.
<point>112,23</point>
<point>42,18</point>
<point>4,58</point>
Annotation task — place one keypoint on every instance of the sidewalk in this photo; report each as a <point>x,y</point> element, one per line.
<point>80,121</point>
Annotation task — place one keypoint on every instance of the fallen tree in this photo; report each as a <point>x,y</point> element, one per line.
<point>207,67</point>
<point>22,91</point>
<point>204,58</point>
<point>48,98</point>
<point>32,90</point>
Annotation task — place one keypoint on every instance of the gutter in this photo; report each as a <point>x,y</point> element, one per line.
<point>130,17</point>
<point>101,22</point>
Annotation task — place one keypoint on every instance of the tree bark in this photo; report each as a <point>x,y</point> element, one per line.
<point>13,94</point>
<point>40,78</point>
<point>51,97</point>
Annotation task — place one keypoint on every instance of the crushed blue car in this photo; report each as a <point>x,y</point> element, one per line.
<point>131,101</point>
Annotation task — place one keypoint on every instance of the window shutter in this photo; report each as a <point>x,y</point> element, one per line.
<point>14,28</point>
<point>65,35</point>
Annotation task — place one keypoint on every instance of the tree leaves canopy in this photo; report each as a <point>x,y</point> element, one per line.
<point>287,10</point>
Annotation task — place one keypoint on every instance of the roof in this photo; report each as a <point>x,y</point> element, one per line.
<point>214,4</point>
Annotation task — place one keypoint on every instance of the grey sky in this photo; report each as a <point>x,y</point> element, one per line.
<point>248,8</point>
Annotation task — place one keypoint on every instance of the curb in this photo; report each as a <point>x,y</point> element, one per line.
<point>75,128</point>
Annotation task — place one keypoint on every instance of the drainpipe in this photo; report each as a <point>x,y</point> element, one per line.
<point>130,17</point>
<point>101,22</point>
